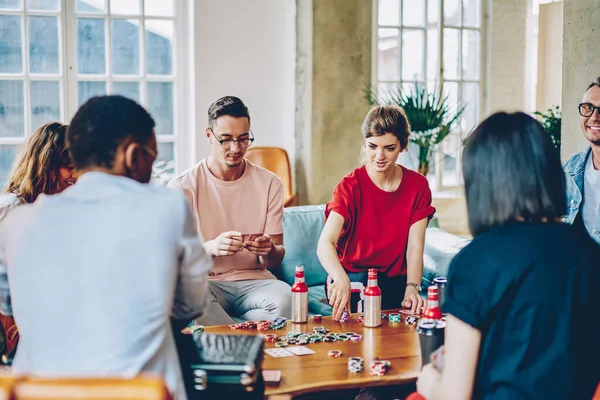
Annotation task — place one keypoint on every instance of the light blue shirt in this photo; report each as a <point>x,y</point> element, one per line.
<point>96,272</point>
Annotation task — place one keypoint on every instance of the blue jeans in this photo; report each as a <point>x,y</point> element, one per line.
<point>392,290</point>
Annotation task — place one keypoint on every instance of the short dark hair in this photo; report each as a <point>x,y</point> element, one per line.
<point>228,105</point>
<point>387,119</point>
<point>595,83</point>
<point>101,125</point>
<point>512,173</point>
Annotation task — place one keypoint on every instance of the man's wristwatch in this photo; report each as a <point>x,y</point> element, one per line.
<point>415,285</point>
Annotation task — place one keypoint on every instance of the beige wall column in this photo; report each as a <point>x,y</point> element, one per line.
<point>581,66</point>
<point>333,65</point>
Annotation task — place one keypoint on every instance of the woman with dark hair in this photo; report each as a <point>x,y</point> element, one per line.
<point>43,166</point>
<point>522,297</point>
<point>376,219</point>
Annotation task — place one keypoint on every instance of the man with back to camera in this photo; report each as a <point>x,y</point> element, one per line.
<point>583,169</point>
<point>232,199</point>
<point>97,271</point>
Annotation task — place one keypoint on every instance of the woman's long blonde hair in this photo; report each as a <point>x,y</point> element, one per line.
<point>37,168</point>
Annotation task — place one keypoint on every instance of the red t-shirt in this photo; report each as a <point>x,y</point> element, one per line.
<point>376,222</point>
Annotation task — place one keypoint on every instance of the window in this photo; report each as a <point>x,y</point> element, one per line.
<point>434,44</point>
<point>56,54</point>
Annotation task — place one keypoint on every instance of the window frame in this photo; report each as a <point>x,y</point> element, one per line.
<point>68,76</point>
<point>438,157</point>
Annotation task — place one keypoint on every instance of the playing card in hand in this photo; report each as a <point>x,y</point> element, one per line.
<point>437,358</point>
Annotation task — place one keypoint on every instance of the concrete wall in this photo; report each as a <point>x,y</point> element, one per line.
<point>341,66</point>
<point>581,65</point>
<point>507,55</point>
<point>247,49</point>
<point>549,82</point>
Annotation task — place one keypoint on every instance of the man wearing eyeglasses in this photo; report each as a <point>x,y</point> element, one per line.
<point>239,212</point>
<point>583,169</point>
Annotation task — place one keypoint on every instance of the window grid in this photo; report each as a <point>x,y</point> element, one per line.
<point>441,183</point>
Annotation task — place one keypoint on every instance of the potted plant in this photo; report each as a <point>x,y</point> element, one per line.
<point>551,120</point>
<point>431,119</point>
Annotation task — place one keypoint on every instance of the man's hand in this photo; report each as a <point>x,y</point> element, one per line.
<point>226,244</point>
<point>261,246</point>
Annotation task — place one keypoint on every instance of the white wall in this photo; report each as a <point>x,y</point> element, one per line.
<point>247,49</point>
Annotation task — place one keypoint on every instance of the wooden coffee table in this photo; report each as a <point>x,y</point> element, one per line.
<point>395,342</point>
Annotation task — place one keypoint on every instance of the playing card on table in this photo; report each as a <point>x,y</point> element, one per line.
<point>300,350</point>
<point>437,358</point>
<point>278,352</point>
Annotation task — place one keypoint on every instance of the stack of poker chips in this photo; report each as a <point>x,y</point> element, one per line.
<point>379,367</point>
<point>355,364</point>
<point>345,316</point>
<point>395,317</point>
<point>411,320</point>
<point>317,318</point>
<point>277,323</point>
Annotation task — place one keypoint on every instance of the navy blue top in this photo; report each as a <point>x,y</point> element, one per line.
<point>533,292</point>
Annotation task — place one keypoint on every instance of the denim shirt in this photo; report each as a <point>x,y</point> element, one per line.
<point>574,169</point>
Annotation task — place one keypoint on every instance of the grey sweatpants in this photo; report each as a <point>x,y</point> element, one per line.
<point>252,300</point>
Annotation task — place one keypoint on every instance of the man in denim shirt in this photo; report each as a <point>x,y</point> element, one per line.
<point>583,169</point>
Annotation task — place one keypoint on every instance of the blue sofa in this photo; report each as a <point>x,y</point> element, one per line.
<point>302,227</point>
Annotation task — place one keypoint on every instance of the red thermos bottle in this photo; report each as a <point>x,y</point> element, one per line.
<point>299,298</point>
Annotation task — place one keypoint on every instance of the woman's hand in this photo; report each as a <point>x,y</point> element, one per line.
<point>413,300</point>
<point>339,296</point>
<point>428,380</point>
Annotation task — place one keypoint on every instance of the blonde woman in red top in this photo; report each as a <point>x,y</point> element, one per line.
<point>376,219</point>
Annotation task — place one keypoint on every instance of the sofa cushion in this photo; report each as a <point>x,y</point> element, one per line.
<point>302,228</point>
<point>315,305</point>
<point>440,249</point>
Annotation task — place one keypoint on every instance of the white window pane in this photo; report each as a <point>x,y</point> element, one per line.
<point>11,4</point>
<point>125,46</point>
<point>8,153</point>
<point>471,54</point>
<point>87,90</point>
<point>12,107</point>
<point>43,5</point>
<point>385,90</point>
<point>388,58</point>
<point>470,99</point>
<point>433,13</point>
<point>450,157</point>
<point>128,89</point>
<point>160,106</point>
<point>11,58</point>
<point>91,51</point>
<point>433,62</point>
<point>163,8</point>
<point>166,154</point>
<point>472,13</point>
<point>45,102</point>
<point>451,91</point>
<point>90,6</point>
<point>43,45</point>
<point>159,47</point>
<point>126,7</point>
<point>389,12</point>
<point>412,55</point>
<point>452,11</point>
<point>414,13</point>
<point>451,53</point>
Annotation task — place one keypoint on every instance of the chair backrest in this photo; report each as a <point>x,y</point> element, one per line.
<point>138,388</point>
<point>276,160</point>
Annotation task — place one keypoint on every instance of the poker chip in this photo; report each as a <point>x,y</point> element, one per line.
<point>411,320</point>
<point>383,316</point>
<point>355,364</point>
<point>334,353</point>
<point>379,367</point>
<point>342,338</point>
<point>271,338</point>
<point>395,317</point>
<point>317,318</point>
<point>355,338</point>
<point>361,319</point>
<point>281,344</point>
<point>345,316</point>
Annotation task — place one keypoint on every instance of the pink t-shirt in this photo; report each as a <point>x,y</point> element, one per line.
<point>251,204</point>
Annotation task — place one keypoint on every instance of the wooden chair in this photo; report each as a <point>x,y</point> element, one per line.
<point>143,387</point>
<point>276,160</point>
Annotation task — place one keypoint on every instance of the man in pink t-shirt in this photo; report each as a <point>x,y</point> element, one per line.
<point>238,208</point>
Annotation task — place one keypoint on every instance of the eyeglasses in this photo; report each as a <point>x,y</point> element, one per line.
<point>587,109</point>
<point>227,143</point>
